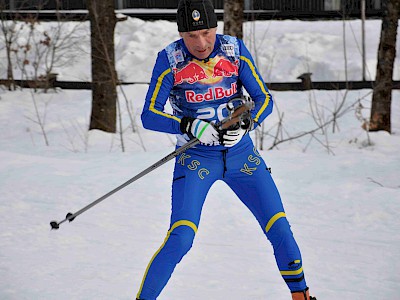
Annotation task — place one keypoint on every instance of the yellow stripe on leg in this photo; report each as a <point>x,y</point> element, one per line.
<point>183,223</point>
<point>295,272</point>
<point>273,220</point>
<point>175,225</point>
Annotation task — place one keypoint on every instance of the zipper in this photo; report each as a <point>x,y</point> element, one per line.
<point>224,152</point>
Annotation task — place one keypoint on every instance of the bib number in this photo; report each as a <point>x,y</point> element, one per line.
<point>210,112</point>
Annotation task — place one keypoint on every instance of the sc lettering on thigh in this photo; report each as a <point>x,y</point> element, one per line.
<point>193,165</point>
<point>253,161</point>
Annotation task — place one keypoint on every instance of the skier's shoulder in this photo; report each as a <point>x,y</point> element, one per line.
<point>169,55</point>
<point>230,45</point>
<point>226,38</point>
<point>175,53</point>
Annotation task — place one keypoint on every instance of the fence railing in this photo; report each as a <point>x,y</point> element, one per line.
<point>276,86</point>
<point>294,6</point>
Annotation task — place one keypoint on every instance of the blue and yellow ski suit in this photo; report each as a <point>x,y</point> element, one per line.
<point>201,89</point>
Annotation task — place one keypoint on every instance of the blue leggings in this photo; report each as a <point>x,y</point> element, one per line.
<point>245,172</point>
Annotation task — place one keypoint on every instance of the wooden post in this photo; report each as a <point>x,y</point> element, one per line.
<point>306,80</point>
<point>363,38</point>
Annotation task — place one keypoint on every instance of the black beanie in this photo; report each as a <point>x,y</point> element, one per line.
<point>195,15</point>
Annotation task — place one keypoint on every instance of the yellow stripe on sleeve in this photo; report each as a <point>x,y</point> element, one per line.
<point>155,94</point>
<point>261,84</point>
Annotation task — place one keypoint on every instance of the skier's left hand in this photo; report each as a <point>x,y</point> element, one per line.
<point>231,137</point>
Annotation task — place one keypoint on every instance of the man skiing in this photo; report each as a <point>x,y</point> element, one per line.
<point>200,74</point>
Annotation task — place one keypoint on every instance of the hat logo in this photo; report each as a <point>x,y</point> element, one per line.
<point>196,15</point>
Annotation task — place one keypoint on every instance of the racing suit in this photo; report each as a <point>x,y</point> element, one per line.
<point>201,89</point>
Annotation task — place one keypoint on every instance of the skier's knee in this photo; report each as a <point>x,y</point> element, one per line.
<point>278,230</point>
<point>184,238</point>
<point>181,239</point>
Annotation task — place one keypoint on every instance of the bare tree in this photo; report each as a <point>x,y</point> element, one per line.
<point>38,49</point>
<point>382,96</point>
<point>233,17</point>
<point>10,35</point>
<point>104,76</point>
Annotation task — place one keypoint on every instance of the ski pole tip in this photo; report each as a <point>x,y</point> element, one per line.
<point>54,225</point>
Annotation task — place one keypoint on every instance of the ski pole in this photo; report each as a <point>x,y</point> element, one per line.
<point>71,216</point>
<point>235,115</point>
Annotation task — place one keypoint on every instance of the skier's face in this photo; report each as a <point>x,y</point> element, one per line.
<point>200,43</point>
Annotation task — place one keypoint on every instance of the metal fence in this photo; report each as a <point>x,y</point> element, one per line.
<point>278,5</point>
<point>42,4</point>
<point>312,5</point>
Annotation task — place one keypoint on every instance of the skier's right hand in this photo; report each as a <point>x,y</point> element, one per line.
<point>202,130</point>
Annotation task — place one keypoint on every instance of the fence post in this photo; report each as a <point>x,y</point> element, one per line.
<point>363,37</point>
<point>120,4</point>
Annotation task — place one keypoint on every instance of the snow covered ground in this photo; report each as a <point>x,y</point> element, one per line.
<point>342,203</point>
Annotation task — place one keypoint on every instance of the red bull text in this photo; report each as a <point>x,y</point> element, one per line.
<point>215,93</point>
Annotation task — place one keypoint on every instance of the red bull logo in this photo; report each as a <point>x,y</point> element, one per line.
<point>225,68</point>
<point>191,73</point>
<point>213,93</point>
<point>212,71</point>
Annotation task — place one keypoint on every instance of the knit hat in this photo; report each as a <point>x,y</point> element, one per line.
<point>195,15</point>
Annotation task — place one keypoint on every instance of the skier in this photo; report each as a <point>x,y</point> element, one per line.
<point>199,74</point>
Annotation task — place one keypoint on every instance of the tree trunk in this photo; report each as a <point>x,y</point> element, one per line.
<point>10,74</point>
<point>104,76</point>
<point>9,33</point>
<point>233,17</point>
<point>382,95</point>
